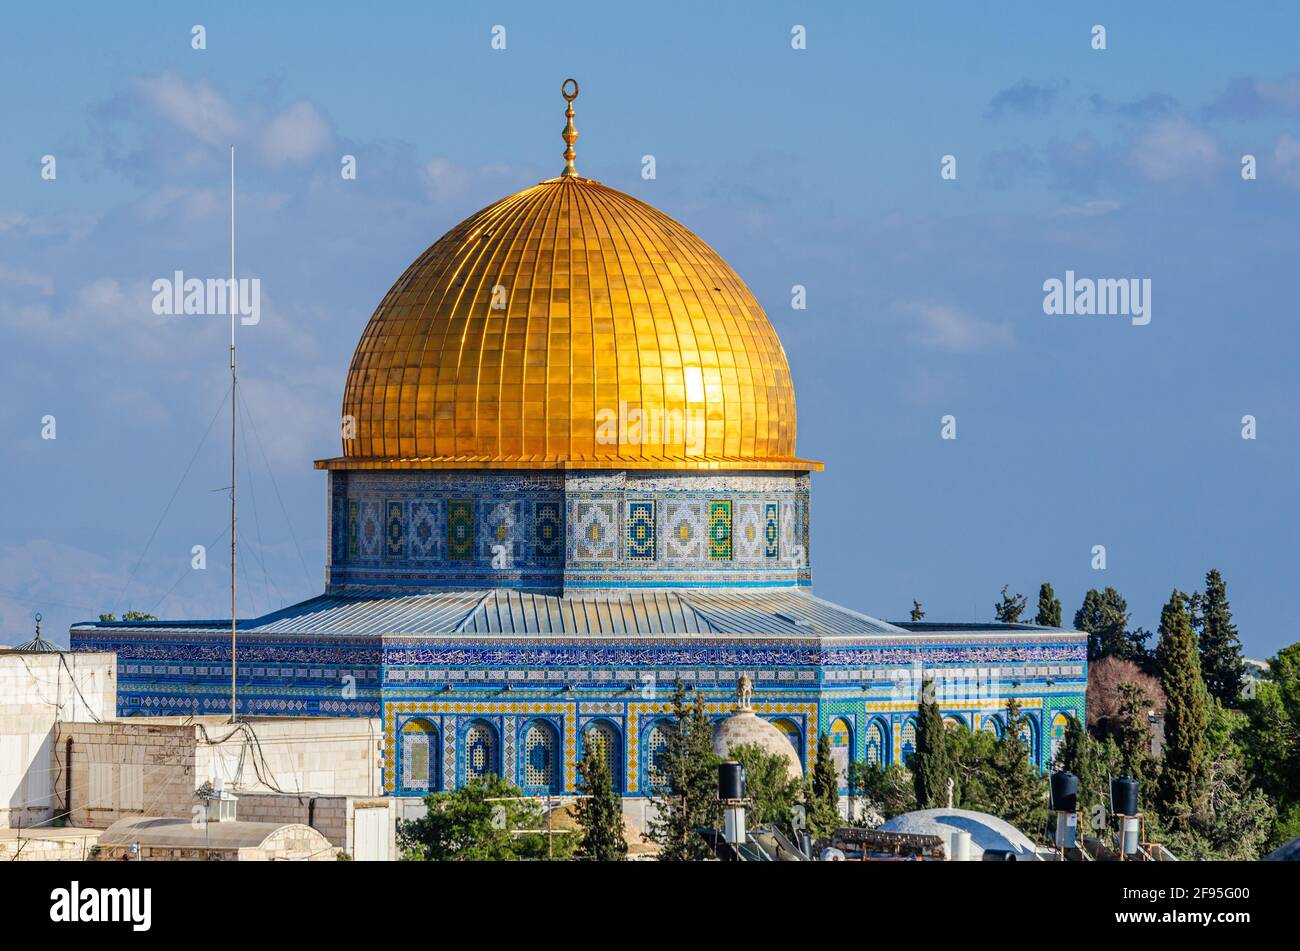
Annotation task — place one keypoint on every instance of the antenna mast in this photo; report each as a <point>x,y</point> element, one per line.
<point>233,298</point>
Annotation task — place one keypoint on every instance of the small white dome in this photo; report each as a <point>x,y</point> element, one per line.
<point>744,727</point>
<point>986,832</point>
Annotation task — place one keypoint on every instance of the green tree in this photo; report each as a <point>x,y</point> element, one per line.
<point>480,822</point>
<point>130,616</point>
<point>1017,791</point>
<point>1222,665</point>
<point>689,801</point>
<point>1104,617</point>
<point>1049,607</point>
<point>1270,740</point>
<point>1009,609</point>
<point>1182,794</point>
<point>772,791</point>
<point>885,791</point>
<point>1094,762</point>
<point>918,612</point>
<point>1238,819</point>
<point>930,765</point>
<point>1270,744</point>
<point>823,792</point>
<point>1132,734</point>
<point>971,753</point>
<point>600,817</point>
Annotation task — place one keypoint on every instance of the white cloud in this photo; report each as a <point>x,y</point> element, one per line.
<point>107,316</point>
<point>12,221</point>
<point>940,327</point>
<point>196,107</point>
<point>25,277</point>
<point>1175,149</point>
<point>450,185</point>
<point>295,135</point>
<point>182,205</point>
<point>294,419</point>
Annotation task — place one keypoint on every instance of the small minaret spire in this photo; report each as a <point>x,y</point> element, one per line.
<point>570,134</point>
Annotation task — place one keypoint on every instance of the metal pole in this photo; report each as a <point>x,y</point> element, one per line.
<point>234,403</point>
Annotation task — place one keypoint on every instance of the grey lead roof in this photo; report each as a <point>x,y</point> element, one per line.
<point>782,612</point>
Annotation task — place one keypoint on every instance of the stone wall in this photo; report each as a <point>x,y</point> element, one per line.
<point>47,844</point>
<point>328,815</point>
<point>126,768</point>
<point>154,767</point>
<point>36,692</point>
<point>321,756</point>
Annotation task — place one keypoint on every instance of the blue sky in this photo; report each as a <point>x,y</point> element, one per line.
<point>817,167</point>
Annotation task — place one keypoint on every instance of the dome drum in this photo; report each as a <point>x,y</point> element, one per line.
<point>567,531</point>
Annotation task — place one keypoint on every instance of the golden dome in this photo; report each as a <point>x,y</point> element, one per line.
<point>569,326</point>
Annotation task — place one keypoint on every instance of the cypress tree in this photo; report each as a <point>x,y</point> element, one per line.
<point>1183,781</point>
<point>1017,790</point>
<point>824,792</point>
<point>1094,762</point>
<point>930,765</point>
<point>1009,609</point>
<point>1133,733</point>
<point>1049,607</point>
<point>825,777</point>
<point>918,612</point>
<point>1075,755</point>
<point>1222,665</point>
<point>690,799</point>
<point>600,817</point>
<point>1104,617</point>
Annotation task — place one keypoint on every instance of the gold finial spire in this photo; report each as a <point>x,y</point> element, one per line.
<point>570,134</point>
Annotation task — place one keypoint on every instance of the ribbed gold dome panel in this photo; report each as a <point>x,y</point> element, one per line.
<point>523,336</point>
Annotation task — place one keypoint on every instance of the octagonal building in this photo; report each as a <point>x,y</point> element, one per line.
<point>568,479</point>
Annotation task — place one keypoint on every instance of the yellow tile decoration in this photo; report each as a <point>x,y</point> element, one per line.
<point>636,710</point>
<point>391,710</point>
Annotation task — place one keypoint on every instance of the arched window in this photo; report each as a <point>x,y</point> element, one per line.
<point>1028,736</point>
<point>420,756</point>
<point>992,725</point>
<point>656,748</point>
<point>908,740</point>
<point>792,733</point>
<point>841,737</point>
<point>873,742</point>
<point>481,751</point>
<point>1060,725</point>
<point>953,720</point>
<point>602,739</point>
<point>541,757</point>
